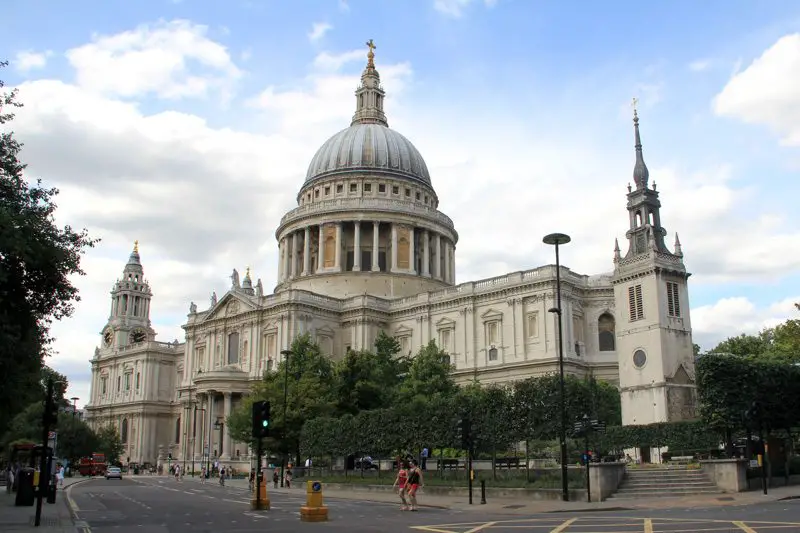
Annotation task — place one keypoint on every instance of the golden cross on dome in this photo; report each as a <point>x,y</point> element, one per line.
<point>247,274</point>
<point>371,54</point>
<point>634,104</point>
<point>136,246</point>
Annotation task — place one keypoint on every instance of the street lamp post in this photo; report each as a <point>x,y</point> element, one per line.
<point>557,239</point>
<point>74,405</point>
<point>286,354</point>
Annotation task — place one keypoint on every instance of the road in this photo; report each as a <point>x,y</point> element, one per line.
<point>163,505</point>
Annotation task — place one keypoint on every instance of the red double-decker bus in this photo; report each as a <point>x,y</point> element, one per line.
<point>92,466</point>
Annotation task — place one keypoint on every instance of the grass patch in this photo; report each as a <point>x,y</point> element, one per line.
<point>539,479</point>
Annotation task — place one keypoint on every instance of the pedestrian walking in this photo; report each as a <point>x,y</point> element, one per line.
<point>400,482</point>
<point>287,477</point>
<point>414,483</point>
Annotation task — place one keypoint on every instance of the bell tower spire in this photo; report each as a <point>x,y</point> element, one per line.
<point>370,95</point>
<point>129,320</point>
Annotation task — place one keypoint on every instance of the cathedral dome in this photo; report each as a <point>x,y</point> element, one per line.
<point>368,147</point>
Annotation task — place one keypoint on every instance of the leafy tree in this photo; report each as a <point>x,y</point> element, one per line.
<point>109,443</point>
<point>37,263</point>
<point>786,342</point>
<point>75,438</point>
<point>26,426</point>
<point>365,380</point>
<point>429,375</point>
<point>745,345</point>
<point>309,384</point>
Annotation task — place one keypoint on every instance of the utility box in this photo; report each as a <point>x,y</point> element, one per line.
<point>25,492</point>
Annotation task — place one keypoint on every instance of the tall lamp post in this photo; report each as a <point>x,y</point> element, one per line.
<point>74,400</point>
<point>557,239</point>
<point>285,354</point>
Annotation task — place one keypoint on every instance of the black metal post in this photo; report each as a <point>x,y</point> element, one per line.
<point>483,492</point>
<point>563,435</point>
<point>258,476</point>
<point>763,456</point>
<point>74,405</point>
<point>469,471</point>
<point>194,436</point>
<point>588,462</point>
<point>286,355</point>
<point>43,462</point>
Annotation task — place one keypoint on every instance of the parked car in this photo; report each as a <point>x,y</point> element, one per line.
<point>114,471</point>
<point>365,463</point>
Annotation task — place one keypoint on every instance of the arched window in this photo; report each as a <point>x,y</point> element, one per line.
<point>124,431</point>
<point>178,430</point>
<point>606,336</point>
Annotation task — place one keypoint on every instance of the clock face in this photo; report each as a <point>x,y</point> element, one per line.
<point>108,336</point>
<point>137,336</point>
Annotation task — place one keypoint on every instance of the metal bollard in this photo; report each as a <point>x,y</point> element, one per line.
<point>483,492</point>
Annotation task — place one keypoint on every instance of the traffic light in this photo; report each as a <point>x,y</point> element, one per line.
<point>261,420</point>
<point>464,428</point>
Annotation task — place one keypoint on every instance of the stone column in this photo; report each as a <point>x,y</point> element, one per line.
<point>376,233</point>
<point>437,264</point>
<point>357,246</point>
<point>453,263</point>
<point>320,250</point>
<point>426,253</point>
<point>446,250</point>
<point>226,448</point>
<point>295,246</point>
<point>307,252</point>
<point>412,252</point>
<point>393,268</point>
<point>281,251</point>
<point>338,255</point>
<point>287,256</point>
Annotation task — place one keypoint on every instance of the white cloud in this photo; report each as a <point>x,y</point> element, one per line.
<point>344,6</point>
<point>768,91</point>
<point>333,62</point>
<point>456,8</point>
<point>318,31</point>
<point>27,60</point>
<point>729,317</point>
<point>700,65</point>
<point>168,59</point>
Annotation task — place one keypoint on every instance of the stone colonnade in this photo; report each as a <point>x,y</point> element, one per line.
<point>410,250</point>
<point>200,432</point>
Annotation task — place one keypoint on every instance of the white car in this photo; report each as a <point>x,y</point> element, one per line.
<point>113,471</point>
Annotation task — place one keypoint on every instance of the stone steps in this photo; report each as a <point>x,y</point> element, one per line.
<point>664,482</point>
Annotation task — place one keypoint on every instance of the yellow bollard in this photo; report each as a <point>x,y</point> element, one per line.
<point>261,504</point>
<point>313,510</point>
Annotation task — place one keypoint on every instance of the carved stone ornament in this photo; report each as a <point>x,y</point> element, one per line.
<point>232,308</point>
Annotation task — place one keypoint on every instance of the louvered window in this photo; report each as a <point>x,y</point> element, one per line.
<point>673,300</point>
<point>635,302</point>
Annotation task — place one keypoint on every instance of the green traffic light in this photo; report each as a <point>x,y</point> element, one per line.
<point>265,423</point>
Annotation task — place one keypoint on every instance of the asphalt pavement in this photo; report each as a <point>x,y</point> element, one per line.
<point>161,504</point>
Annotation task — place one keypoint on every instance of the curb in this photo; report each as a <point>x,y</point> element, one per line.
<point>80,525</point>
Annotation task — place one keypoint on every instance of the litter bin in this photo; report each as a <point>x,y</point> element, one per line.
<point>51,492</point>
<point>25,493</point>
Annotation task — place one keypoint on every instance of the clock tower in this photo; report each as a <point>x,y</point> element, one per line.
<point>129,321</point>
<point>654,330</point>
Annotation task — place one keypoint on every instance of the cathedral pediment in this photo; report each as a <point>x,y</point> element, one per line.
<point>325,331</point>
<point>231,304</point>
<point>492,314</point>
<point>445,323</point>
<point>402,331</point>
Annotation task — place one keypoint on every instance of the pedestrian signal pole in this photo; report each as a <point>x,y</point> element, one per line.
<point>261,425</point>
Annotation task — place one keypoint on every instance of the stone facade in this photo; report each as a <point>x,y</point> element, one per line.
<point>366,250</point>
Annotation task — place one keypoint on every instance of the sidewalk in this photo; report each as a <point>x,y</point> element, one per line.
<point>514,506</point>
<point>56,517</point>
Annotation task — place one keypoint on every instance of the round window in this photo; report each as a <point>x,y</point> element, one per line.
<point>639,358</point>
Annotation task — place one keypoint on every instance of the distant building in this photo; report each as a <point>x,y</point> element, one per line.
<point>365,250</point>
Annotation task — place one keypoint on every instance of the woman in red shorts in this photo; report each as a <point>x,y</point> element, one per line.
<point>414,483</point>
<point>400,483</point>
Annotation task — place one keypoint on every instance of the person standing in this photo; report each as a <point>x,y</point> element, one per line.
<point>424,457</point>
<point>400,482</point>
<point>414,484</point>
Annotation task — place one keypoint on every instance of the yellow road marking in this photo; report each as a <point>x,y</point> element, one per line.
<point>744,527</point>
<point>480,527</point>
<point>563,526</point>
<point>648,525</point>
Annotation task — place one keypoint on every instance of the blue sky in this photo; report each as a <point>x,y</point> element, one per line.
<point>188,125</point>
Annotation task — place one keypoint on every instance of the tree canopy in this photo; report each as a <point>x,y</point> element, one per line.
<point>37,263</point>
